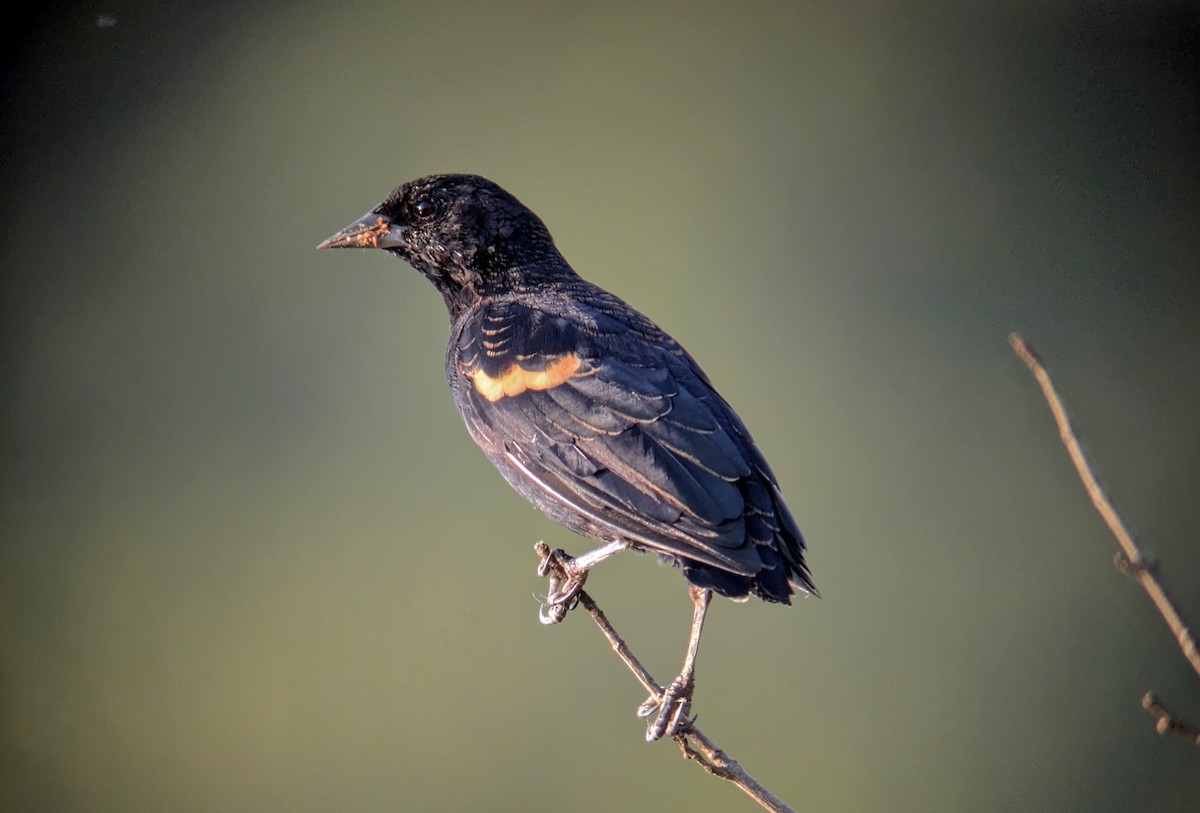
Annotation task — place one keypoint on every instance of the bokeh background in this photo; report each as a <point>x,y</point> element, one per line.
<point>250,560</point>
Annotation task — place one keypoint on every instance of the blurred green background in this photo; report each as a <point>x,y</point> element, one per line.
<point>250,559</point>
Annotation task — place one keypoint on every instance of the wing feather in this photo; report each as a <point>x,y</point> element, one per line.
<point>635,441</point>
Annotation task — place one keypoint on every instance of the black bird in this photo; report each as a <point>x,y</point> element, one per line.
<point>589,409</point>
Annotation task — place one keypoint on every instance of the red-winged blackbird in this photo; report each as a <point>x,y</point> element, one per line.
<point>589,409</point>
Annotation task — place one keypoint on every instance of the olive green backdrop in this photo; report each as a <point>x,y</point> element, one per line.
<point>250,560</point>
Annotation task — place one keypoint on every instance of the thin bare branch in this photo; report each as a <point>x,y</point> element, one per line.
<point>693,742</point>
<point>1167,722</point>
<point>1131,560</point>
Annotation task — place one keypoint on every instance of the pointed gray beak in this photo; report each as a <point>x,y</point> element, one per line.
<point>372,230</point>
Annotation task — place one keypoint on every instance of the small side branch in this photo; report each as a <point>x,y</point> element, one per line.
<point>1167,722</point>
<point>1131,560</point>
<point>694,743</point>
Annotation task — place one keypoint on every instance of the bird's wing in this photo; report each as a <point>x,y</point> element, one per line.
<point>612,417</point>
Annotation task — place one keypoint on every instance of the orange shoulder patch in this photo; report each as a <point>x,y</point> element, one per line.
<point>516,379</point>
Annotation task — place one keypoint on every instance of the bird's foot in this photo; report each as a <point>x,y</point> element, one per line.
<point>673,706</point>
<point>566,580</point>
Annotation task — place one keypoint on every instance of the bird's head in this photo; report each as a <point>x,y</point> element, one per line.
<point>463,232</point>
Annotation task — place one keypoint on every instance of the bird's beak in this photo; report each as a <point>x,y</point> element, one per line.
<point>372,230</point>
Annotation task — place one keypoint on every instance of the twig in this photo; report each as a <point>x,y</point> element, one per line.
<point>1132,560</point>
<point>693,742</point>
<point>1167,722</point>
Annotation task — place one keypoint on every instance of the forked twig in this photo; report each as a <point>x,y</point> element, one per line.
<point>1131,560</point>
<point>693,743</point>
<point>1167,722</point>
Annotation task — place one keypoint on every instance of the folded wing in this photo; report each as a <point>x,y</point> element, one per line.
<point>630,434</point>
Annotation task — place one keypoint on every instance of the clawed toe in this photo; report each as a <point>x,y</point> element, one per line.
<point>566,580</point>
<point>565,591</point>
<point>567,575</point>
<point>673,706</point>
<point>551,613</point>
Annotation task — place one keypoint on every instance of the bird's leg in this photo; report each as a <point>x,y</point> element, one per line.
<point>676,699</point>
<point>567,575</point>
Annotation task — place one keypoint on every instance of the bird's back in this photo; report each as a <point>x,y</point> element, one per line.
<point>608,426</point>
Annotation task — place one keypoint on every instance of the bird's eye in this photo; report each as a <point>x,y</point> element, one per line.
<point>424,208</point>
